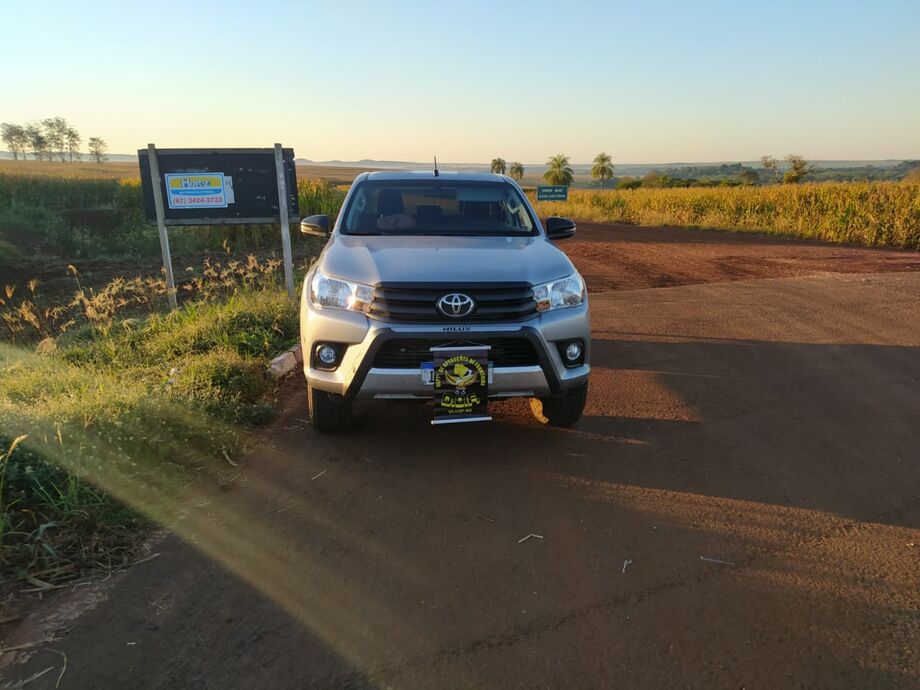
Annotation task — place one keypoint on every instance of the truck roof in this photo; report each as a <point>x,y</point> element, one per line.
<point>443,176</point>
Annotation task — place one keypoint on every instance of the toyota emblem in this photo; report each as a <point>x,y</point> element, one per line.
<point>456,305</point>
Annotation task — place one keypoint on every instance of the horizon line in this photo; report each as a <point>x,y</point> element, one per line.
<point>308,161</point>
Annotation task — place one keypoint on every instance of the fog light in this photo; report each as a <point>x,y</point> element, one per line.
<point>326,354</point>
<point>573,351</point>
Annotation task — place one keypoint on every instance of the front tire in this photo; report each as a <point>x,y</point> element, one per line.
<point>562,410</point>
<point>328,412</point>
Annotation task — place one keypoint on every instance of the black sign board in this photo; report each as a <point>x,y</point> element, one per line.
<point>461,384</point>
<point>218,186</point>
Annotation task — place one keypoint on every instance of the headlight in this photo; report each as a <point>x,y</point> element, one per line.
<point>565,292</point>
<point>340,294</point>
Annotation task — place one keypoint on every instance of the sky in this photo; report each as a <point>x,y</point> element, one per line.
<point>647,82</point>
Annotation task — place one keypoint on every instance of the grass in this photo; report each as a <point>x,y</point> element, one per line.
<point>111,422</point>
<point>875,214</point>
<point>111,407</point>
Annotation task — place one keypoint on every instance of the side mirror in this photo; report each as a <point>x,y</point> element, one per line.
<point>315,225</point>
<point>559,228</point>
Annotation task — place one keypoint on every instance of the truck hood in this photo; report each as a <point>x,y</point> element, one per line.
<point>437,259</point>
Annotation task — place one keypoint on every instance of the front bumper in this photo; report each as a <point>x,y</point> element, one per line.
<point>356,377</point>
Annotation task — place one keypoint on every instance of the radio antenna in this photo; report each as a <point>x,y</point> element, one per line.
<point>436,166</point>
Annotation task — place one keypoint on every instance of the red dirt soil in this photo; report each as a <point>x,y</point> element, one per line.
<point>626,257</point>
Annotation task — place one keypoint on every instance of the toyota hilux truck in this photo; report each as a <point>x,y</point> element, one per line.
<point>422,263</point>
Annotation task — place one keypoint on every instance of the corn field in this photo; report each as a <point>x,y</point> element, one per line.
<point>44,216</point>
<point>875,214</point>
<point>65,193</point>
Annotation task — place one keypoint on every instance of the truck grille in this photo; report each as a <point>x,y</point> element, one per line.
<point>415,303</point>
<point>409,353</point>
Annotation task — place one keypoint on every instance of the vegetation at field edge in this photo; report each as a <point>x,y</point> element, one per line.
<point>43,216</point>
<point>875,214</point>
<point>127,412</point>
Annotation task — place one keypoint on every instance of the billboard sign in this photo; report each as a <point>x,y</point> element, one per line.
<point>219,186</point>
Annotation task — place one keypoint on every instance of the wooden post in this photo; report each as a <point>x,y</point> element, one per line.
<point>161,224</point>
<point>285,221</point>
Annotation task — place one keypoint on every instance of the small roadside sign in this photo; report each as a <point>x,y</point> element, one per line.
<point>552,192</point>
<point>203,190</point>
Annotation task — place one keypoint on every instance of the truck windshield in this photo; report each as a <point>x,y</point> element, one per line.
<point>436,208</point>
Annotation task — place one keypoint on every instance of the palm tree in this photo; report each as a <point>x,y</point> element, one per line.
<point>517,171</point>
<point>498,166</point>
<point>603,168</point>
<point>559,170</point>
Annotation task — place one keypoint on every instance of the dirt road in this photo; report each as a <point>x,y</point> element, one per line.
<point>739,508</point>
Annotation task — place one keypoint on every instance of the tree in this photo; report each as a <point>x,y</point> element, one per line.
<point>50,138</point>
<point>749,176</point>
<point>37,141</point>
<point>498,166</point>
<point>798,169</point>
<point>97,149</point>
<point>603,168</point>
<point>629,183</point>
<point>56,137</point>
<point>15,138</point>
<point>770,165</point>
<point>656,179</point>
<point>559,170</point>
<point>517,171</point>
<point>73,139</point>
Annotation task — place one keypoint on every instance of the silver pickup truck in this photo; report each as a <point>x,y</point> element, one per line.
<point>418,262</point>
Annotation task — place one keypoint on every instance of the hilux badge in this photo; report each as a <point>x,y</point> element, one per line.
<point>456,305</point>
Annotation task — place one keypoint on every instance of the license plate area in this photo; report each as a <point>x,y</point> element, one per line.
<point>427,373</point>
<point>460,375</point>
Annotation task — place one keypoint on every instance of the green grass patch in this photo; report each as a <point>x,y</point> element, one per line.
<point>120,424</point>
